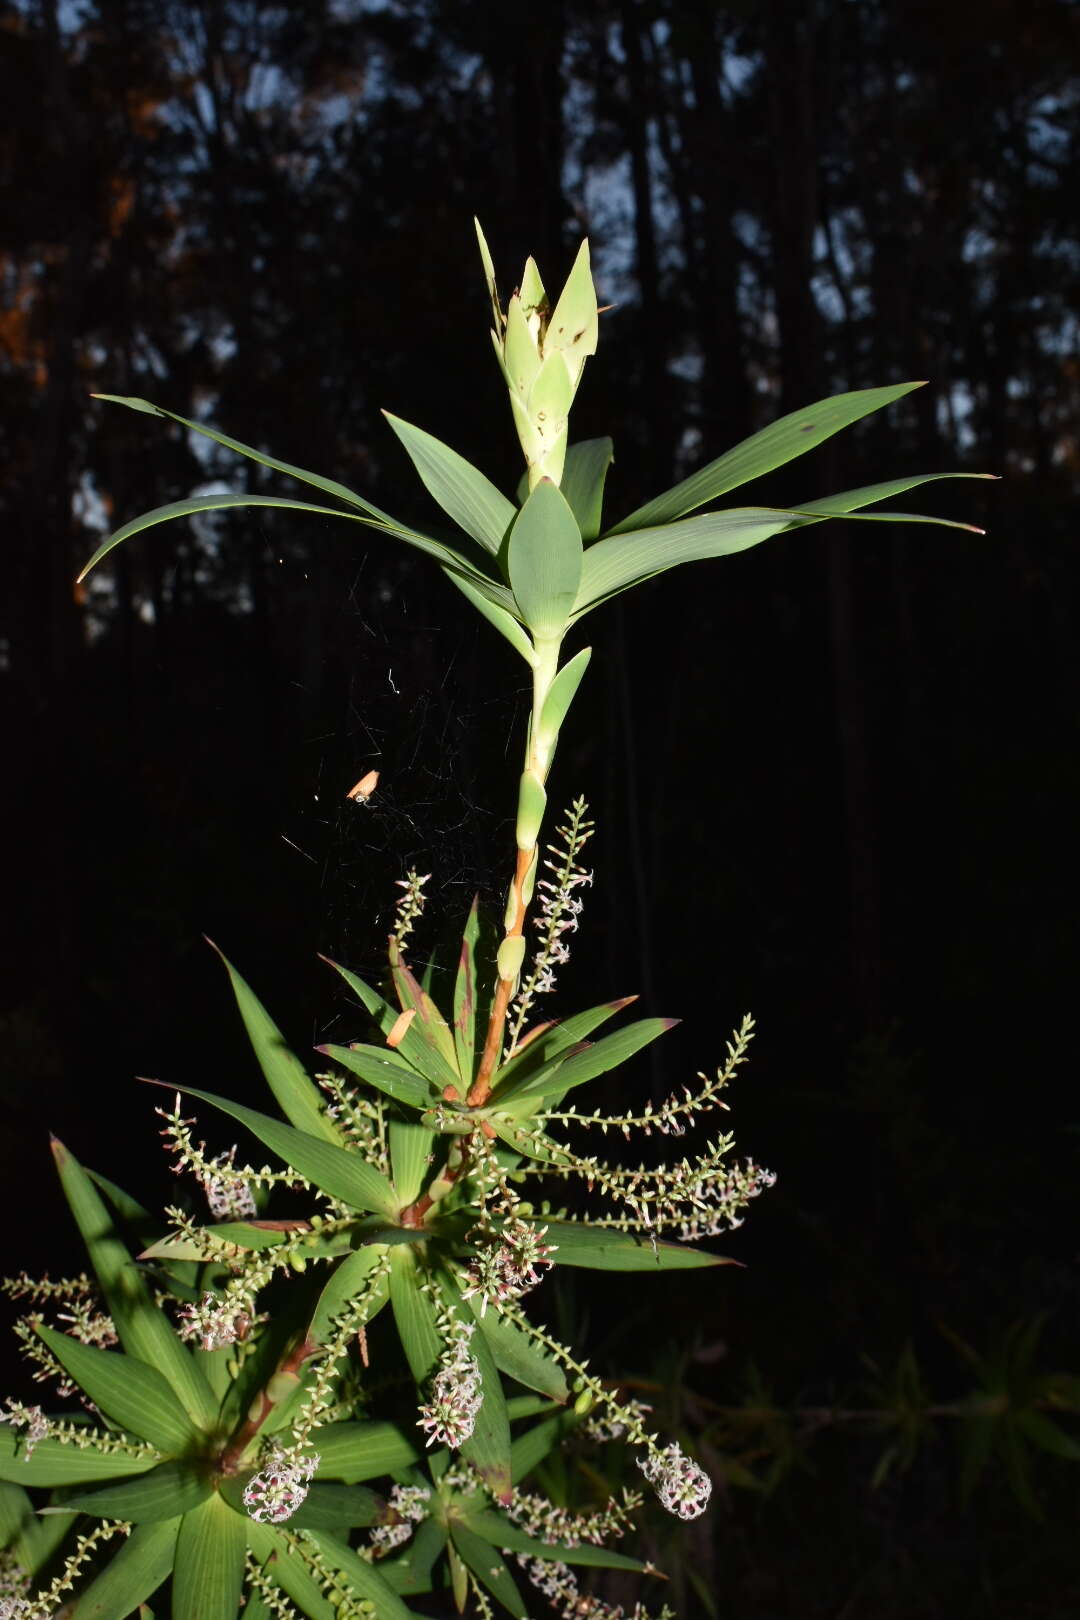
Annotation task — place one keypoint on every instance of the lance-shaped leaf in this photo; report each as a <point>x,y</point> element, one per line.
<point>850,500</point>
<point>574,325</point>
<point>209,1573</point>
<point>379,1070</point>
<point>529,1449</point>
<point>133,1574</point>
<point>562,1073</point>
<point>461,489</point>
<point>60,1463</point>
<point>338,1507</point>
<point>297,1096</point>
<point>142,1328</point>
<point>497,1529</point>
<point>532,1056</point>
<point>167,1492</point>
<point>29,1541</point>
<point>780,442</point>
<point>544,559</point>
<point>411,1149</point>
<point>282,1561</point>
<point>413,1048</point>
<point>465,985</point>
<point>364,1579</point>
<point>359,1451</point>
<point>582,483</point>
<point>349,1278</point>
<point>615,564</point>
<point>411,1572</point>
<point>600,1248</point>
<point>518,1356</point>
<point>129,1392</point>
<point>503,618</point>
<point>562,692</point>
<point>329,486</point>
<point>429,1022</point>
<point>335,1170</point>
<point>192,505</point>
<point>489,1567</point>
<point>414,1315</point>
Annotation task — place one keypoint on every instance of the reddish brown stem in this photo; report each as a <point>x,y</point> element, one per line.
<point>231,1458</point>
<point>481,1087</point>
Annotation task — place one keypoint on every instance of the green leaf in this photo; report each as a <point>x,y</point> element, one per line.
<point>299,1099</point>
<point>1047,1436</point>
<point>132,1575</point>
<point>518,1356</point>
<point>56,1463</point>
<point>411,1572</point>
<point>166,1492</point>
<point>193,504</point>
<point>363,1579</point>
<point>851,499</point>
<point>30,1540</point>
<point>411,1148</point>
<point>544,559</point>
<point>286,1568</point>
<point>574,324</point>
<point>528,1059</point>
<point>461,489</point>
<point>429,1021</point>
<point>489,1567</point>
<point>563,1073</point>
<point>614,564</point>
<point>529,1449</point>
<point>348,1278</point>
<point>489,276</point>
<point>357,1451</point>
<point>129,1392</point>
<point>599,1248</point>
<point>245,1235</point>
<point>337,1171</point>
<point>209,1574</point>
<point>142,1328</point>
<point>582,482</point>
<point>329,486</point>
<point>414,1315</point>
<point>497,1529</point>
<point>561,693</point>
<point>413,1048</point>
<point>465,996</point>
<point>384,1074</point>
<point>501,617</point>
<point>338,1507</point>
<point>781,442</point>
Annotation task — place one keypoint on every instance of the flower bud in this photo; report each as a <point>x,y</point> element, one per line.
<point>542,353</point>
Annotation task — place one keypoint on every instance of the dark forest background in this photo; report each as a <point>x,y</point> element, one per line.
<point>835,777</point>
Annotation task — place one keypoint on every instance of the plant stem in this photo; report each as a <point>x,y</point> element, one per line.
<point>539,752</point>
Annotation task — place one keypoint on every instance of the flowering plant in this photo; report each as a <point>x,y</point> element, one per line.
<point>227,1378</point>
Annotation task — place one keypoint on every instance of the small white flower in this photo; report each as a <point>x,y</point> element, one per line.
<point>30,1418</point>
<point>275,1493</point>
<point>683,1487</point>
<point>456,1394</point>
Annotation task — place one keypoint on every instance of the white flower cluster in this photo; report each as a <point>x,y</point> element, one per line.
<point>612,1425</point>
<point>456,1393</point>
<point>409,1503</point>
<point>683,1487</point>
<point>507,1266</point>
<point>14,1589</point>
<point>30,1418</point>
<point>216,1321</point>
<point>275,1493</point>
<point>228,1194</point>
